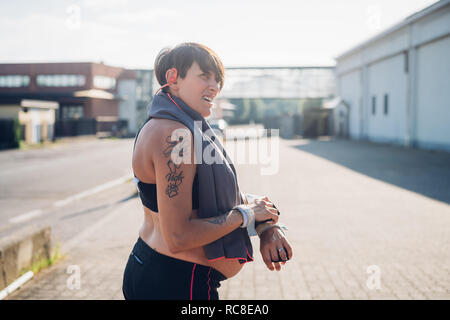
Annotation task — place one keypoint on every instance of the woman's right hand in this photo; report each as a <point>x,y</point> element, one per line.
<point>264,211</point>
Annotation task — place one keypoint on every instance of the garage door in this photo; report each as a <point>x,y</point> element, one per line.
<point>433,95</point>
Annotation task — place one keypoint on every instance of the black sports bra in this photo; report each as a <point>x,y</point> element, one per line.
<point>147,193</point>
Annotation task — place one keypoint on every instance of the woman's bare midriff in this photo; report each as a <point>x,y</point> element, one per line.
<point>150,230</point>
<point>151,234</point>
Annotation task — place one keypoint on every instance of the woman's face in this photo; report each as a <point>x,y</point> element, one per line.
<point>197,89</point>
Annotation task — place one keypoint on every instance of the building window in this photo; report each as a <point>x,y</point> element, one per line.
<point>60,80</point>
<point>386,103</point>
<point>72,112</point>
<point>14,81</point>
<point>103,82</point>
<point>374,104</point>
<point>144,85</point>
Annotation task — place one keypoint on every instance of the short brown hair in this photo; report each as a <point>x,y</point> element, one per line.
<point>183,56</point>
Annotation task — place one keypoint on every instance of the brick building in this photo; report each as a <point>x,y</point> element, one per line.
<point>84,91</point>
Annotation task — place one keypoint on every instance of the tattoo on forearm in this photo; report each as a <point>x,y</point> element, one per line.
<point>175,176</point>
<point>218,220</point>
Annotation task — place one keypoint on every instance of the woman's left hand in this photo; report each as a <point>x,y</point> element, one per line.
<point>270,242</point>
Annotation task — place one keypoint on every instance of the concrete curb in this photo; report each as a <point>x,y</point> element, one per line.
<point>21,249</point>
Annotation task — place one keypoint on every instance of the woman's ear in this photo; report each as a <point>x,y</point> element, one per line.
<point>171,78</point>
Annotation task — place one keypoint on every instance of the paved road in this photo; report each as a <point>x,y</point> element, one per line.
<point>42,183</point>
<point>366,221</point>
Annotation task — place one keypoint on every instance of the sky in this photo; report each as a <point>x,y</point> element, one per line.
<point>130,33</point>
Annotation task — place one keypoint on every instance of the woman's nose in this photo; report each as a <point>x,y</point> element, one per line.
<point>213,85</point>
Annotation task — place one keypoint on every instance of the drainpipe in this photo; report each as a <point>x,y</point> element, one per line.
<point>410,69</point>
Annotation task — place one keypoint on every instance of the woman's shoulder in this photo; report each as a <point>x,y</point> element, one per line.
<point>158,134</point>
<point>163,135</point>
<point>160,125</point>
<point>157,129</point>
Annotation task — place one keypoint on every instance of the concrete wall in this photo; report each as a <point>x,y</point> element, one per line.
<point>387,77</point>
<point>429,27</point>
<point>350,91</point>
<point>20,250</point>
<point>408,62</point>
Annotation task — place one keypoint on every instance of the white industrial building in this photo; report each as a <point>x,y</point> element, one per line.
<point>395,87</point>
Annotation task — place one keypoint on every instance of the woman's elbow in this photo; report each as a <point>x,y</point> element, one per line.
<point>173,248</point>
<point>176,237</point>
<point>176,244</point>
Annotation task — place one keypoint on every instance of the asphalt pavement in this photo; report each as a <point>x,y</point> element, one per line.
<point>41,183</point>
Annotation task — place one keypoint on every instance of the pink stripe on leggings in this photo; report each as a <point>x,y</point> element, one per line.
<point>192,279</point>
<point>209,287</point>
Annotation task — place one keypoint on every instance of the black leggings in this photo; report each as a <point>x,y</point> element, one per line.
<point>151,275</point>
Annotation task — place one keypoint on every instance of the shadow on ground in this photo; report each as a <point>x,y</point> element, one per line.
<point>421,171</point>
<point>94,209</point>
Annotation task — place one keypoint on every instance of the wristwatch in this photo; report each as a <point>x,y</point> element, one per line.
<point>247,215</point>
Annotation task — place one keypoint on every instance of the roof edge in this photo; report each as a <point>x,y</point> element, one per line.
<point>406,21</point>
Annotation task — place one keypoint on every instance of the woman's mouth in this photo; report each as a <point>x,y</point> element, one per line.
<point>208,99</point>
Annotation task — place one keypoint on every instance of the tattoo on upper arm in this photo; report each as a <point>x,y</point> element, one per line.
<point>175,176</point>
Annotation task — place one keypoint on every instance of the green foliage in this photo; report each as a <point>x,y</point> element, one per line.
<point>16,138</point>
<point>43,263</point>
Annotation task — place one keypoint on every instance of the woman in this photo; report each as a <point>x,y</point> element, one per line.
<point>194,232</point>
